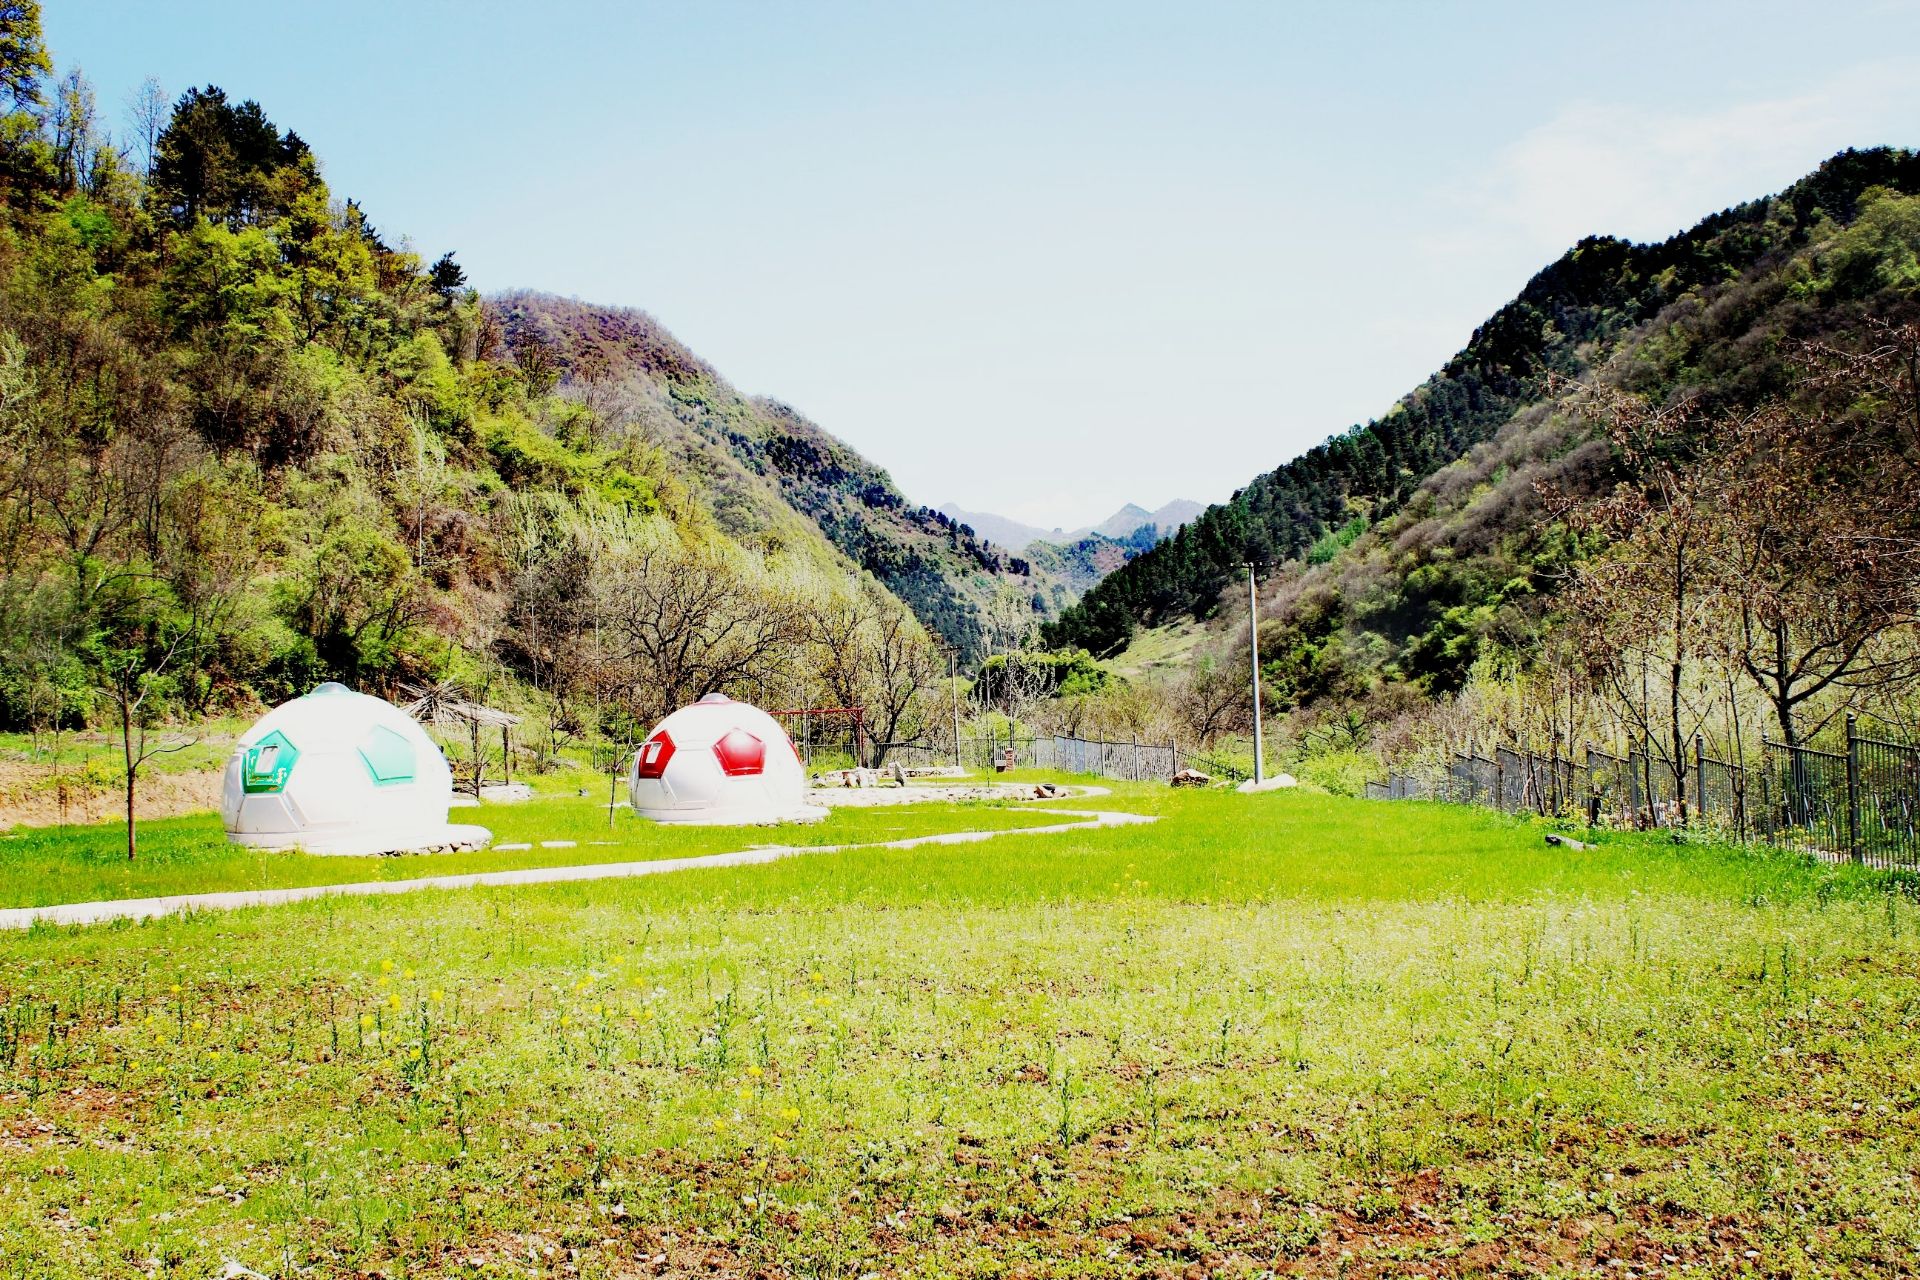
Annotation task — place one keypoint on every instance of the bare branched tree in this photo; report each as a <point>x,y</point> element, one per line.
<point>681,624</point>
<point>1646,608</point>
<point>147,112</point>
<point>1212,698</point>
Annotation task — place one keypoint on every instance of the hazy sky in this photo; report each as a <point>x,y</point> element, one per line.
<point>1040,259</point>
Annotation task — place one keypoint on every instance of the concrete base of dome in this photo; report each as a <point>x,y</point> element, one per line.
<point>705,818</point>
<point>447,838</point>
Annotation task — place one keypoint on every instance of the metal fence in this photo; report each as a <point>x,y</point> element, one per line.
<point>1124,761</point>
<point>1130,761</point>
<point>1861,804</point>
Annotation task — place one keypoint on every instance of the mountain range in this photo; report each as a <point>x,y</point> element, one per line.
<point>243,416</point>
<point>1017,535</point>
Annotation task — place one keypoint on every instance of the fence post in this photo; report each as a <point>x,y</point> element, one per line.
<point>1853,789</point>
<point>1700,775</point>
<point>1499,782</point>
<point>1593,789</point>
<point>1766,793</point>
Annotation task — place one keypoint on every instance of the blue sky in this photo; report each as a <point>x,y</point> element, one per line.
<point>1040,259</point>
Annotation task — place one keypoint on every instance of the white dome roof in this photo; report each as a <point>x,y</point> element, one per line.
<point>720,762</point>
<point>339,772</point>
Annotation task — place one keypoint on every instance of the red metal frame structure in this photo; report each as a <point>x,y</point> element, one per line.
<point>858,714</point>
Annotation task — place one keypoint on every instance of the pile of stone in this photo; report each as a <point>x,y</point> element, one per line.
<point>847,778</point>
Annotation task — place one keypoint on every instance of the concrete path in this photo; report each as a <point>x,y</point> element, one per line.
<point>144,908</point>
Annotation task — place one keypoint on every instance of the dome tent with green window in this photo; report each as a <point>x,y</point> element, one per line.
<point>339,772</point>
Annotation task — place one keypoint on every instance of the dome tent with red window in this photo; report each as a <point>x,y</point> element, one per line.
<point>723,763</point>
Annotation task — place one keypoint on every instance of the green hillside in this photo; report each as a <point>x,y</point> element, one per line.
<point>1070,569</point>
<point>1707,312</point>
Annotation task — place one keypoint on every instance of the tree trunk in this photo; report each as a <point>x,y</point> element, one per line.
<point>132,771</point>
<point>1679,743</point>
<point>1781,695</point>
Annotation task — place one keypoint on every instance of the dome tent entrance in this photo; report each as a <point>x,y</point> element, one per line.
<point>339,772</point>
<point>721,763</point>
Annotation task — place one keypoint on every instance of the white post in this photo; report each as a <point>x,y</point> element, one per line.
<point>1253,636</point>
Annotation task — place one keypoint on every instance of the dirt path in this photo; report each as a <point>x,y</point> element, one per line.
<point>27,799</point>
<point>942,793</point>
<point>146,908</point>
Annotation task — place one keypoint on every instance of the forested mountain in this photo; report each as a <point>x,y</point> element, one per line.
<point>1700,521</point>
<point>1065,571</point>
<point>1705,311</point>
<point>757,463</point>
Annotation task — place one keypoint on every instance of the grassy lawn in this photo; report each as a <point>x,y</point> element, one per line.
<point>1267,1035</point>
<point>40,866</point>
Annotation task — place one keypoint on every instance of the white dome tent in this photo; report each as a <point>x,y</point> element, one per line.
<point>339,772</point>
<point>720,763</point>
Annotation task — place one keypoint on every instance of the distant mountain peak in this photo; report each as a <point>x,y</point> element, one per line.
<point>1017,535</point>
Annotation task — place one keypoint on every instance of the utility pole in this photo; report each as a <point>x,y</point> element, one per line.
<point>1253,637</point>
<point>953,682</point>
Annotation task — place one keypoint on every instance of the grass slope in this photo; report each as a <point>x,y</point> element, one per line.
<point>1289,1033</point>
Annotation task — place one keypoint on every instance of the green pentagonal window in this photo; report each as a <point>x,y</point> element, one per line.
<point>266,765</point>
<point>387,755</point>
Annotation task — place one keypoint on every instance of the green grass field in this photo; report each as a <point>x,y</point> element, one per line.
<point>44,865</point>
<point>1281,1034</point>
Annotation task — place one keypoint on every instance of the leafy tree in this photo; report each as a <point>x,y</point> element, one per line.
<point>227,163</point>
<point>23,53</point>
<point>141,651</point>
<point>446,276</point>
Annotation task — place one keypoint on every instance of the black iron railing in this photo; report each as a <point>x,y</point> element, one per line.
<point>1862,803</point>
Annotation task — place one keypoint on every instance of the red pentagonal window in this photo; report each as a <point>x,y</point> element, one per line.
<point>741,754</point>
<point>654,754</point>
